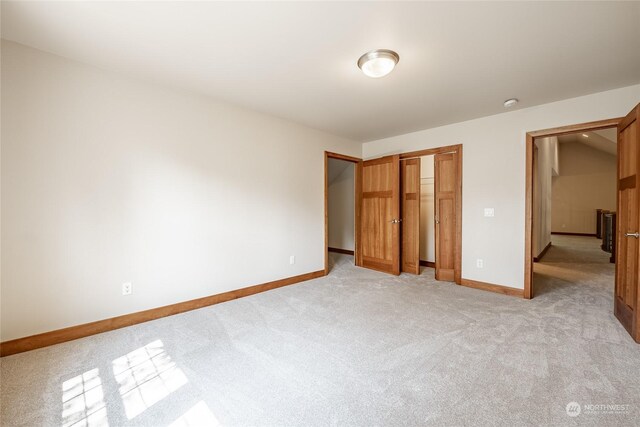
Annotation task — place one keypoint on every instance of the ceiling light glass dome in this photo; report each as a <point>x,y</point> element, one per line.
<point>378,63</point>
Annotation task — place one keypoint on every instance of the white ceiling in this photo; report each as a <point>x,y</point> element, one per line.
<point>603,140</point>
<point>298,60</point>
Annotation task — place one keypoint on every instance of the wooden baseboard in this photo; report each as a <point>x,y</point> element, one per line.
<point>563,233</point>
<point>541,254</point>
<point>428,264</point>
<point>505,290</point>
<point>341,251</point>
<point>80,331</point>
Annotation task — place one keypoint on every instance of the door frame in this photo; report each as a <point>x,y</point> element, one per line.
<point>357,170</point>
<point>458,244</point>
<point>529,183</point>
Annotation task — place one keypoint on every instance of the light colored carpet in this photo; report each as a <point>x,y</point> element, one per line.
<point>354,348</point>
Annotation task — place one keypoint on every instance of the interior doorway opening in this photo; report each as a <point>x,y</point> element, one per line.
<point>427,212</point>
<point>417,182</point>
<point>626,296</point>
<point>574,210</point>
<point>342,194</point>
<point>342,181</point>
<point>390,200</point>
<point>432,236</point>
<point>407,212</point>
<point>542,164</point>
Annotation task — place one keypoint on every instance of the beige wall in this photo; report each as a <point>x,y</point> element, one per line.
<point>341,199</point>
<point>587,181</point>
<point>547,166</point>
<point>427,205</point>
<point>494,174</point>
<point>108,180</point>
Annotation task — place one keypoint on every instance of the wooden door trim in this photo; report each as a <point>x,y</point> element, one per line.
<point>357,196</point>
<point>344,157</point>
<point>457,273</point>
<point>528,218</point>
<point>432,151</point>
<point>581,127</point>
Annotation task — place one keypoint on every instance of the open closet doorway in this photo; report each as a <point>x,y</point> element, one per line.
<point>418,213</point>
<point>390,226</point>
<point>342,178</point>
<point>427,212</point>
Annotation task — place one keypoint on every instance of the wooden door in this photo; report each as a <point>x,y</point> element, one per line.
<point>447,201</point>
<point>627,298</point>
<point>380,215</point>
<point>410,211</point>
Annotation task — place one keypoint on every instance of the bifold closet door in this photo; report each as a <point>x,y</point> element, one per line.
<point>627,298</point>
<point>447,203</point>
<point>380,214</point>
<point>410,210</point>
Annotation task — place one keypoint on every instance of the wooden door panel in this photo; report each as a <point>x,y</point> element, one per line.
<point>376,238</point>
<point>410,191</point>
<point>627,264</point>
<point>380,198</point>
<point>447,172</point>
<point>446,211</point>
<point>447,195</point>
<point>628,287</point>
<point>626,302</point>
<point>377,177</point>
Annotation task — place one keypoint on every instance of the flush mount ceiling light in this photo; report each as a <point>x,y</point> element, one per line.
<point>378,63</point>
<point>510,102</point>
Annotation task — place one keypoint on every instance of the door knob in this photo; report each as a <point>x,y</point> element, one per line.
<point>636,235</point>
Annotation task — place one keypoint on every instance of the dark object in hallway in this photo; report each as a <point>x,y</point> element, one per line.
<point>599,213</point>
<point>608,234</point>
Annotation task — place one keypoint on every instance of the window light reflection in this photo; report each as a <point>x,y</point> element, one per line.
<point>146,376</point>
<point>198,415</point>
<point>83,401</point>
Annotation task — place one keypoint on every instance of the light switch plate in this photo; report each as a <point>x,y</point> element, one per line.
<point>489,212</point>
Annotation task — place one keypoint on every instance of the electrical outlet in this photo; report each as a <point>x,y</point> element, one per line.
<point>292,259</point>
<point>127,288</point>
<point>489,212</point>
<point>479,263</point>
